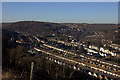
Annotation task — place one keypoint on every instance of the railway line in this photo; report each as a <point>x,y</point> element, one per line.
<point>77,61</point>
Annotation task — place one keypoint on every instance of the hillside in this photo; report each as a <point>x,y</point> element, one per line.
<point>33,26</point>
<point>76,30</point>
<point>51,27</point>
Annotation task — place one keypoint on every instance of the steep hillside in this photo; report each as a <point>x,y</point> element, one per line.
<point>33,26</point>
<point>76,30</point>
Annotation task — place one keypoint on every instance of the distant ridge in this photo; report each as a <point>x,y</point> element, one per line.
<point>54,28</point>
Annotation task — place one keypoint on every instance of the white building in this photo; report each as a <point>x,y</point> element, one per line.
<point>93,47</point>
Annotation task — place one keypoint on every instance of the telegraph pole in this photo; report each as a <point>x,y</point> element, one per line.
<point>31,74</point>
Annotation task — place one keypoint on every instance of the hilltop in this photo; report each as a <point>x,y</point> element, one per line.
<point>76,30</point>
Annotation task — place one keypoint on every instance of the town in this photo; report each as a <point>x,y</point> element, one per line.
<point>94,60</point>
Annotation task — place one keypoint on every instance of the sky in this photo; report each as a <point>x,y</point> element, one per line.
<point>60,0</point>
<point>61,12</point>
